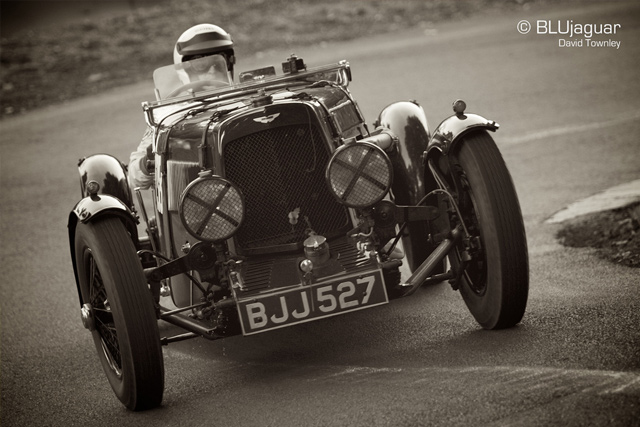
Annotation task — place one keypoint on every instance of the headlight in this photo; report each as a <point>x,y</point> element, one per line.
<point>211,208</point>
<point>359,174</point>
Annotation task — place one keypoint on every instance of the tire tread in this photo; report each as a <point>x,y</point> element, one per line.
<point>480,148</point>
<point>134,303</point>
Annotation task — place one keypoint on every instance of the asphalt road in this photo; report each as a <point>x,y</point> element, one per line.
<point>570,129</point>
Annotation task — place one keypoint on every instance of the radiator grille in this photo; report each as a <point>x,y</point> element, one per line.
<point>281,173</point>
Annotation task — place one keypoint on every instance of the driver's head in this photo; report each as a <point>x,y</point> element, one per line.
<point>204,40</point>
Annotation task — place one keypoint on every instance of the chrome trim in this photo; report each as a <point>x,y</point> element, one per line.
<point>89,207</point>
<point>110,360</point>
<point>245,88</point>
<point>88,321</point>
<point>453,127</point>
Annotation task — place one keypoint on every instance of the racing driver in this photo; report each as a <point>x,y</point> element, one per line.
<point>199,41</point>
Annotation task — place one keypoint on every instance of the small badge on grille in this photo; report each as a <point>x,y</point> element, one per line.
<point>293,216</point>
<point>266,119</point>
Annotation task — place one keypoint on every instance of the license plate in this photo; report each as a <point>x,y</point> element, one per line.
<point>304,304</point>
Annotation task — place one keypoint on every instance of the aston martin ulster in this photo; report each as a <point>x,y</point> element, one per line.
<point>274,203</point>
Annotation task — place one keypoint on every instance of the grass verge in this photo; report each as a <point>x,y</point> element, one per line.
<point>52,64</point>
<point>614,234</point>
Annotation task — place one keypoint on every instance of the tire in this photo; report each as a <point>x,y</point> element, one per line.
<point>495,284</point>
<point>126,330</point>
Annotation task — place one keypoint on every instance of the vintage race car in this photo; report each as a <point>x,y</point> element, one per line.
<point>274,204</point>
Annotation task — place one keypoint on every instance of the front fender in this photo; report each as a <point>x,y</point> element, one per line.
<point>92,206</point>
<point>448,133</point>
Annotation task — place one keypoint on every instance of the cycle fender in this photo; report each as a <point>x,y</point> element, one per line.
<point>449,132</point>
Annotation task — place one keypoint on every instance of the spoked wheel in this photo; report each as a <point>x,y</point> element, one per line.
<point>118,309</point>
<point>495,283</point>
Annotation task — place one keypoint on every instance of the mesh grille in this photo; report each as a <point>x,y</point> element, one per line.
<point>280,171</point>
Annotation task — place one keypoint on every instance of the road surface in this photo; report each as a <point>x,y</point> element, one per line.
<point>570,129</point>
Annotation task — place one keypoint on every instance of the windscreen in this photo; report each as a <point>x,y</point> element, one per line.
<point>206,81</point>
<point>197,75</point>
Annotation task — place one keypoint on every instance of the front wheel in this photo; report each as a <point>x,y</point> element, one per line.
<point>495,283</point>
<point>118,308</point>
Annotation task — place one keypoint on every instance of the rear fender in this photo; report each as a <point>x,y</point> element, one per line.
<point>411,183</point>
<point>407,121</point>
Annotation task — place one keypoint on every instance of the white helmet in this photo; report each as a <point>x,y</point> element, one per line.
<point>204,40</point>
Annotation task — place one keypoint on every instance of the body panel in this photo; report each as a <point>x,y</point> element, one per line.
<point>408,122</point>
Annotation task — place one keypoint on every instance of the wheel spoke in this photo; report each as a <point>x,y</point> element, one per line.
<point>475,272</point>
<point>92,279</point>
<point>105,325</point>
<point>109,336</point>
